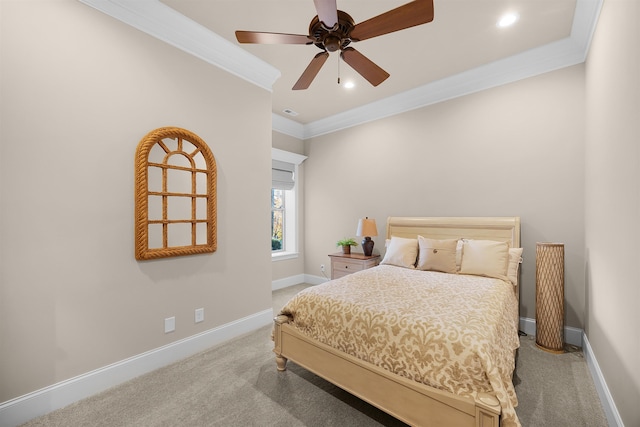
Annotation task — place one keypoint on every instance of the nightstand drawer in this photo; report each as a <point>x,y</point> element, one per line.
<point>344,264</point>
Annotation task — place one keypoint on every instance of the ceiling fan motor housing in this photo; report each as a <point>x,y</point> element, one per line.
<point>332,39</point>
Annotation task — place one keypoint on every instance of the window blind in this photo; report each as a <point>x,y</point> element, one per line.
<point>282,176</point>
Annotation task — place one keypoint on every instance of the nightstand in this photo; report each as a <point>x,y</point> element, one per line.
<point>343,264</point>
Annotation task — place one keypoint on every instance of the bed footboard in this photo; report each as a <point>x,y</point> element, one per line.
<point>411,402</point>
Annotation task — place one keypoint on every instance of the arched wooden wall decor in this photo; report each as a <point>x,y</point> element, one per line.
<point>175,195</point>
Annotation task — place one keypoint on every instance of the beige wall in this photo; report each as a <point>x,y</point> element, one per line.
<point>286,142</point>
<point>79,91</point>
<point>284,268</point>
<point>512,150</point>
<point>613,202</point>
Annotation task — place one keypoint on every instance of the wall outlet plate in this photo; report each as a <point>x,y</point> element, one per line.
<point>199,316</point>
<point>169,324</point>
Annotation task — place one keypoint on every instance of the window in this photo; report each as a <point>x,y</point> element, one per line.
<point>284,191</point>
<point>277,219</point>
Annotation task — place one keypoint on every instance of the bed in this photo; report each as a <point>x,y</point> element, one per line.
<point>429,336</point>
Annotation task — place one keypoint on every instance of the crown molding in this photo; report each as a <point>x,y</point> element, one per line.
<point>521,66</point>
<point>287,156</point>
<point>287,126</point>
<point>166,24</point>
<point>553,56</point>
<point>585,20</point>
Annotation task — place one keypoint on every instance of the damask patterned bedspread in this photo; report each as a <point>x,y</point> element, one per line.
<point>453,332</point>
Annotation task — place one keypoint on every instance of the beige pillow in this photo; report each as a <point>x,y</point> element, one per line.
<point>401,252</point>
<point>485,258</point>
<point>438,255</point>
<point>515,258</point>
<point>459,254</point>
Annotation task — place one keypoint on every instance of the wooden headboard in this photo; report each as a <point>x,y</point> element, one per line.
<point>503,229</point>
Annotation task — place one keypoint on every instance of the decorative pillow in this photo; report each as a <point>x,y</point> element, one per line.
<point>459,254</point>
<point>438,255</point>
<point>515,258</point>
<point>401,252</point>
<point>485,258</point>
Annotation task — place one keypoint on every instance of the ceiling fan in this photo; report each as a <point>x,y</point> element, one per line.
<point>332,29</point>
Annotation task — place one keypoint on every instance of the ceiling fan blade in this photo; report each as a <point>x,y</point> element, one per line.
<point>327,12</point>
<point>417,12</point>
<point>271,38</point>
<point>364,66</point>
<point>311,71</point>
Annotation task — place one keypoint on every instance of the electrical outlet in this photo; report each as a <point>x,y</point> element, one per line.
<point>322,267</point>
<point>199,316</point>
<point>169,324</point>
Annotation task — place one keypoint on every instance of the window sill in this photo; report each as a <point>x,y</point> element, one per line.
<point>281,256</point>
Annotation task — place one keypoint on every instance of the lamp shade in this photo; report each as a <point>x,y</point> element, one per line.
<point>367,227</point>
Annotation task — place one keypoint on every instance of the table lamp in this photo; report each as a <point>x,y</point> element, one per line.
<point>367,228</point>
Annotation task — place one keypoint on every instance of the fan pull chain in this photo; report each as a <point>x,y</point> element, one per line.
<point>338,69</point>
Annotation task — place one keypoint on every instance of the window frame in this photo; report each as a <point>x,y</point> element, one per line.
<point>291,219</point>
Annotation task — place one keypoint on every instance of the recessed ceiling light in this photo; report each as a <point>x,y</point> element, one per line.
<point>507,20</point>
<point>290,112</point>
<point>349,84</point>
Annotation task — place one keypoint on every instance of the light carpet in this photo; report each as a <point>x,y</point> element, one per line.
<point>237,384</point>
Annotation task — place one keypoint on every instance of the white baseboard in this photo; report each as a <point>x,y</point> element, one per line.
<point>315,280</point>
<point>287,281</point>
<point>572,335</point>
<point>296,280</point>
<point>609,406</point>
<point>24,408</point>
<point>577,337</point>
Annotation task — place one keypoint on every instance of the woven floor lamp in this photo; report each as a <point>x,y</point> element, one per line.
<point>550,297</point>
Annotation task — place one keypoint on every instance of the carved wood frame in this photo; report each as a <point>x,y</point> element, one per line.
<point>142,194</point>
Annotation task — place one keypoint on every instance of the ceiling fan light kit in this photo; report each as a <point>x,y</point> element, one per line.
<point>333,30</point>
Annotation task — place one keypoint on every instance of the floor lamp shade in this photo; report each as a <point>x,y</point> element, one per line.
<point>550,297</point>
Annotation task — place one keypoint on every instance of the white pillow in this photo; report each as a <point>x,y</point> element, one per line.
<point>459,254</point>
<point>485,258</point>
<point>437,255</point>
<point>401,252</point>
<point>515,258</point>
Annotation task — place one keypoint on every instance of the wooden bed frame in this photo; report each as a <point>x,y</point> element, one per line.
<point>409,401</point>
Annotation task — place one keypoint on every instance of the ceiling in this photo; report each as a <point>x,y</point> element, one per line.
<point>461,51</point>
<point>463,35</point>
